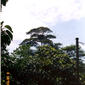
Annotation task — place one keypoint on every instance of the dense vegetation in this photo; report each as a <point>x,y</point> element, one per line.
<point>39,61</point>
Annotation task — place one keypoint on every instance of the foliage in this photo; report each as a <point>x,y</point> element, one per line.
<point>3,2</point>
<point>71,51</point>
<point>6,37</point>
<point>43,68</point>
<point>57,45</point>
<point>23,51</point>
<point>39,35</point>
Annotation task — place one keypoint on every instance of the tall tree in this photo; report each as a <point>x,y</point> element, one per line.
<point>39,35</point>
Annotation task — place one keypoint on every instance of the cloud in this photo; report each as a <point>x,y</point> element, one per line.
<point>43,12</point>
<point>53,11</point>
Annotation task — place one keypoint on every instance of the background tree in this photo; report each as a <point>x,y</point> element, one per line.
<point>71,51</point>
<point>57,45</point>
<point>39,35</point>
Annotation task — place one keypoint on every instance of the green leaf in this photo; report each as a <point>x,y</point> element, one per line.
<point>2,22</point>
<point>9,28</point>
<point>9,34</point>
<point>5,39</point>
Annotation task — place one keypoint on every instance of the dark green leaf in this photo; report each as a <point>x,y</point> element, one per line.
<point>9,28</point>
<point>9,34</point>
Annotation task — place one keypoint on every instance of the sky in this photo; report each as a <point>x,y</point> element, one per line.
<point>66,18</point>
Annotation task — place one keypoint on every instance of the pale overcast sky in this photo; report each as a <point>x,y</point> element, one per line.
<point>66,18</point>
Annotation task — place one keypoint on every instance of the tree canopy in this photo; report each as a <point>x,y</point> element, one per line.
<point>39,35</point>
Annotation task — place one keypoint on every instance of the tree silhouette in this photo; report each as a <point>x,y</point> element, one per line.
<point>39,36</point>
